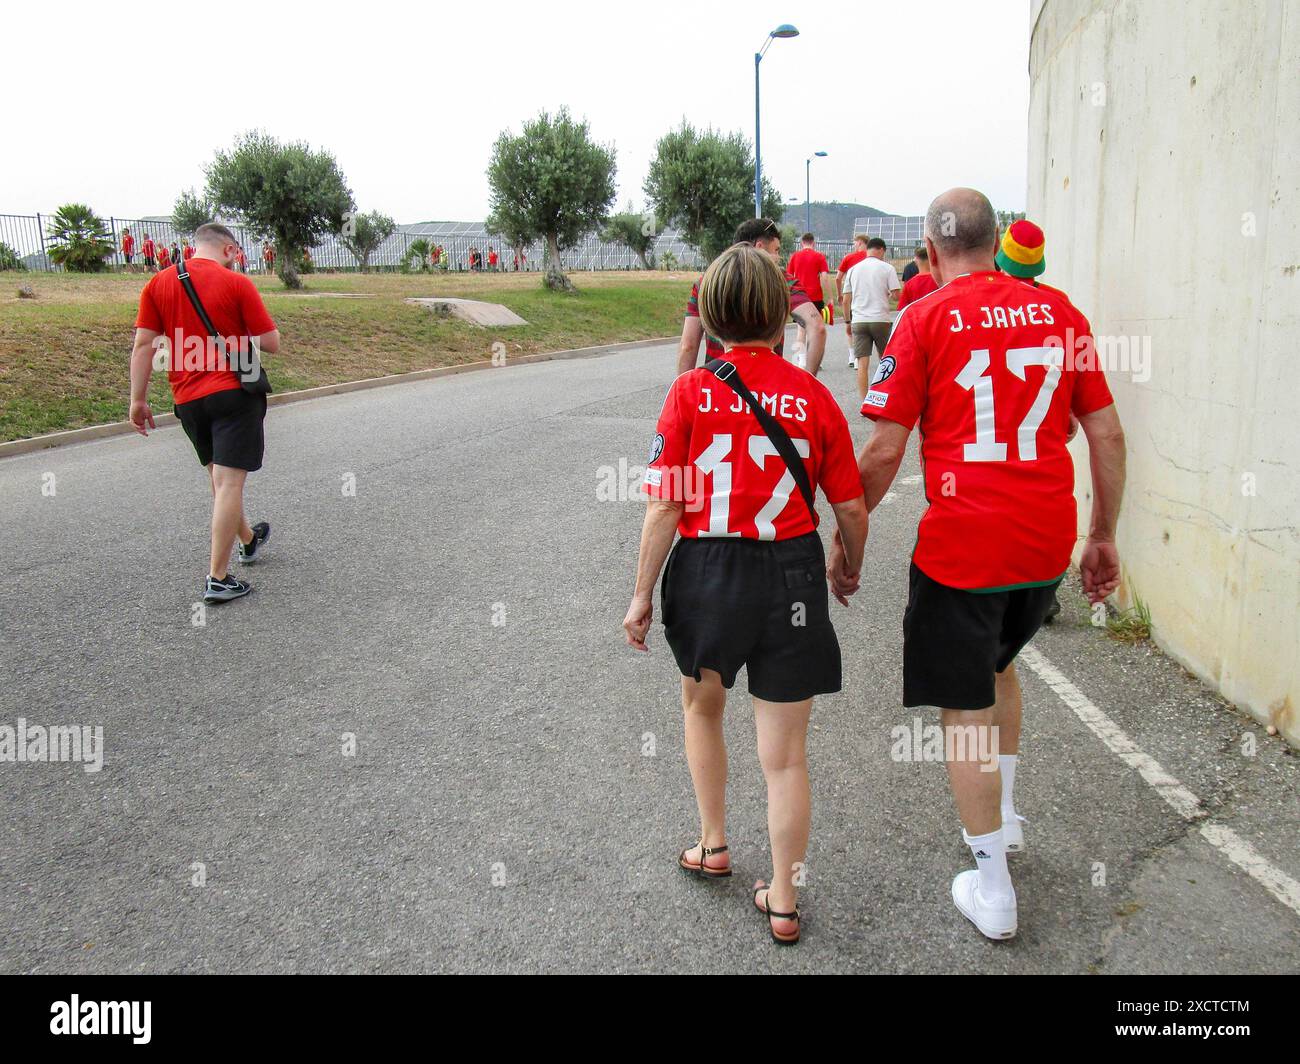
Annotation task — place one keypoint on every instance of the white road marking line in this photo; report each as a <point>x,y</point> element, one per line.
<point>1179,798</point>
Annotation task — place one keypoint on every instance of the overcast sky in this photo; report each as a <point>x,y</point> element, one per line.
<point>908,98</point>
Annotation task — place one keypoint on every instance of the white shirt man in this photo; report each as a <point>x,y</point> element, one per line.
<point>869,299</point>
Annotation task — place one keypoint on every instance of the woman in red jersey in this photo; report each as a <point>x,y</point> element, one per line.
<point>739,451</point>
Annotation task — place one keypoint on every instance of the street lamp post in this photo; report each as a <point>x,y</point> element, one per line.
<point>783,30</point>
<point>807,189</point>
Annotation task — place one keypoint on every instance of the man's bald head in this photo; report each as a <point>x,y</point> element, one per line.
<point>961,221</point>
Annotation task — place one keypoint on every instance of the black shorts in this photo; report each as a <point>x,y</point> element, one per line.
<point>148,260</point>
<point>820,304</point>
<point>954,641</point>
<point>127,257</point>
<point>761,604</point>
<point>226,428</point>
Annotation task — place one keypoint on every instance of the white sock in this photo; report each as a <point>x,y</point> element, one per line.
<point>1007,766</point>
<point>991,862</point>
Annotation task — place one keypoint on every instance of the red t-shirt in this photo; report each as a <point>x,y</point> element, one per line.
<point>188,252</point>
<point>232,302</point>
<point>920,285</point>
<point>128,244</point>
<point>711,453</point>
<point>712,346</point>
<point>147,247</point>
<point>992,368</point>
<point>805,268</point>
<point>850,260</point>
<point>164,256</point>
<point>492,258</point>
<point>268,254</point>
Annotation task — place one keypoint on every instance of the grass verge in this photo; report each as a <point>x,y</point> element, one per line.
<point>64,355</point>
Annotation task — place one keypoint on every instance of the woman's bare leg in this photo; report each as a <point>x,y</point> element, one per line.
<point>706,753</point>
<point>782,751</point>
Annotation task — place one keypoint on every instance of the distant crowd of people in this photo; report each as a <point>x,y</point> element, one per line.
<point>156,255</point>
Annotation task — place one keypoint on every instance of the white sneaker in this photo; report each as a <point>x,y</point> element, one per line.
<point>995,920</point>
<point>1013,833</point>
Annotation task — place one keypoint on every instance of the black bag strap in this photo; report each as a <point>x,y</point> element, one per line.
<point>188,284</point>
<point>183,275</point>
<point>726,372</point>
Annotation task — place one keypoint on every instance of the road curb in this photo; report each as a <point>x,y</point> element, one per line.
<point>14,448</point>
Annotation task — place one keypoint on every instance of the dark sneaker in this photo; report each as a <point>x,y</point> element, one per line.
<point>249,551</point>
<point>225,589</point>
<point>1053,611</point>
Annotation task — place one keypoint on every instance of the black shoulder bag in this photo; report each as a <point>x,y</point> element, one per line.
<point>260,385</point>
<point>726,372</point>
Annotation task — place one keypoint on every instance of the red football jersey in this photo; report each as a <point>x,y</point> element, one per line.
<point>805,268</point>
<point>992,368</point>
<point>913,289</point>
<point>711,453</point>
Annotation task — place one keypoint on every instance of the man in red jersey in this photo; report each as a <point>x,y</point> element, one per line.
<point>128,247</point>
<point>806,268</point>
<point>922,283</point>
<point>764,234</point>
<point>222,420</point>
<point>148,252</point>
<point>991,369</point>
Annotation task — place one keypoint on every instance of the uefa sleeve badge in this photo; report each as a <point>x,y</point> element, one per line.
<point>884,371</point>
<point>657,447</point>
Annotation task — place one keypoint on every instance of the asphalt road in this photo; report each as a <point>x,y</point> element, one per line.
<point>518,792</point>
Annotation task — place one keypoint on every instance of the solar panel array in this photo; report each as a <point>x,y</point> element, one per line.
<point>896,230</point>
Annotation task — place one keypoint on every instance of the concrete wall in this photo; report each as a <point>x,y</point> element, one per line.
<point>1164,166</point>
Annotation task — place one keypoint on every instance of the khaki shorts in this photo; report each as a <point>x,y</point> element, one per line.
<point>866,335</point>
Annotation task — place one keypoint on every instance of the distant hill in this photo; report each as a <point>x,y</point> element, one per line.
<point>831,221</point>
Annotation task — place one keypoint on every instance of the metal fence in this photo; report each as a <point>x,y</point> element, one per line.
<point>28,236</point>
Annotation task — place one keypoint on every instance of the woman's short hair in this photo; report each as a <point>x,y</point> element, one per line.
<point>744,295</point>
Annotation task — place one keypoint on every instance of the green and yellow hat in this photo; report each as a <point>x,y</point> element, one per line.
<point>1021,254</point>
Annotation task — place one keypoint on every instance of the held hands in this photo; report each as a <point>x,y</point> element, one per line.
<point>637,622</point>
<point>1099,567</point>
<point>141,416</point>
<point>843,582</point>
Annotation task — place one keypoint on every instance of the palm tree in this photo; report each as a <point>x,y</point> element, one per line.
<point>418,249</point>
<point>81,241</point>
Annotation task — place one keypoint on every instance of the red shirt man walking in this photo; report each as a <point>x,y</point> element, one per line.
<point>222,420</point>
<point>991,369</point>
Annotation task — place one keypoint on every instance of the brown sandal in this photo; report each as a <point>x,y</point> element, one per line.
<point>702,869</point>
<point>766,910</point>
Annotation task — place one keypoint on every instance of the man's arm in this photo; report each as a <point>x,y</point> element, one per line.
<point>880,458</point>
<point>140,414</point>
<point>657,532</point>
<point>1099,563</point>
<point>688,350</point>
